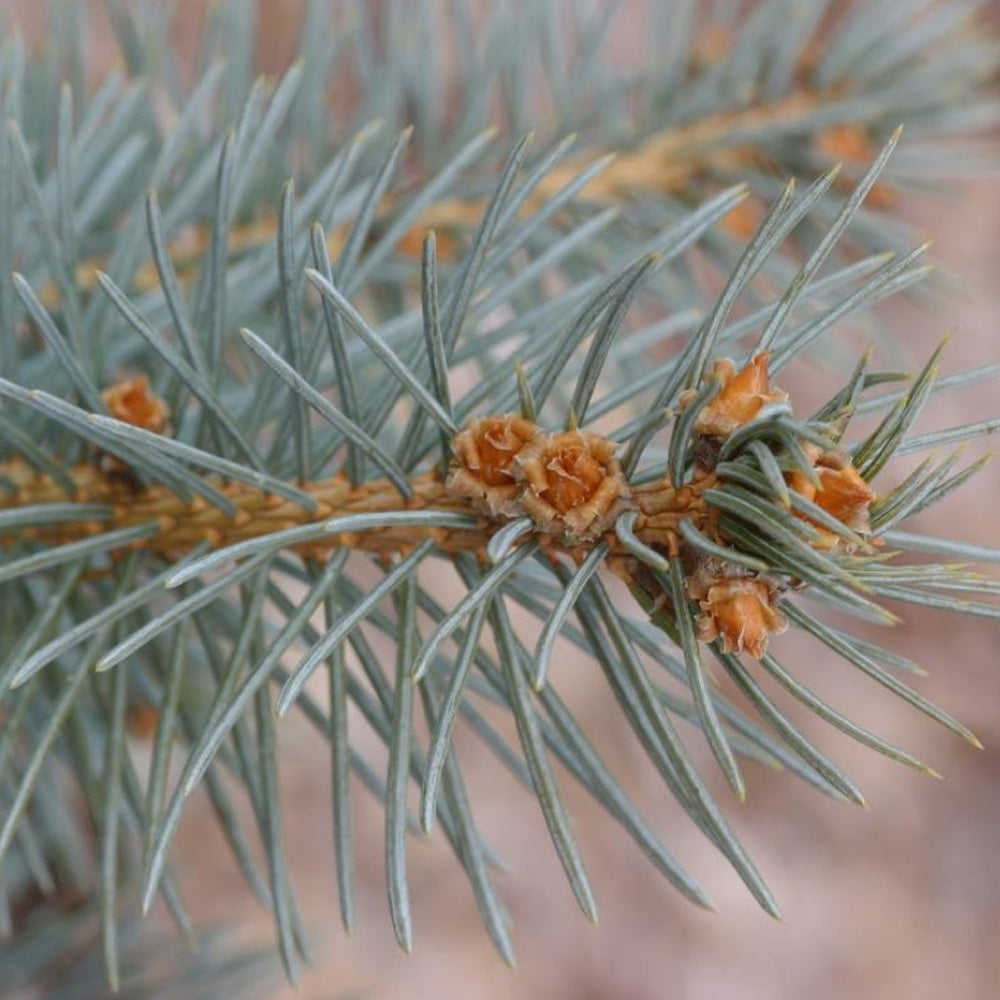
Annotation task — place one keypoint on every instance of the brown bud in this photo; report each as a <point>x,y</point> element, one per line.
<point>850,144</point>
<point>846,142</point>
<point>743,219</point>
<point>411,244</point>
<point>842,492</point>
<point>483,468</point>
<point>740,399</point>
<point>799,482</point>
<point>142,722</point>
<point>130,401</point>
<point>739,611</point>
<point>573,483</point>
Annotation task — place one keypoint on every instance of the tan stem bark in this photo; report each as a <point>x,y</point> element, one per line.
<point>181,525</point>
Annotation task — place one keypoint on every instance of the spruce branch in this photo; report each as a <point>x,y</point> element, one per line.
<point>536,395</point>
<point>804,93</point>
<point>514,491</point>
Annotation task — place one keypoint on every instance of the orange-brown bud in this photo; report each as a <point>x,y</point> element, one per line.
<point>484,468</point>
<point>142,722</point>
<point>743,219</point>
<point>130,401</point>
<point>574,484</point>
<point>842,492</point>
<point>850,144</point>
<point>846,142</point>
<point>740,399</point>
<point>739,612</point>
<point>799,482</point>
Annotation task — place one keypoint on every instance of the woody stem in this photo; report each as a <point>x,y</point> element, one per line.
<point>180,525</point>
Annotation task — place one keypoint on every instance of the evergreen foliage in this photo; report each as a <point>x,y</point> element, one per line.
<point>231,540</point>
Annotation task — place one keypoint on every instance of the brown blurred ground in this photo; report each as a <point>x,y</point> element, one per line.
<point>902,901</point>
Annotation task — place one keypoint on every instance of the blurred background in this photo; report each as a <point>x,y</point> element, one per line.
<point>902,900</point>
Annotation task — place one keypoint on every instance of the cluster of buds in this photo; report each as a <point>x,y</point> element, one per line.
<point>738,607</point>
<point>572,488</point>
<point>569,483</point>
